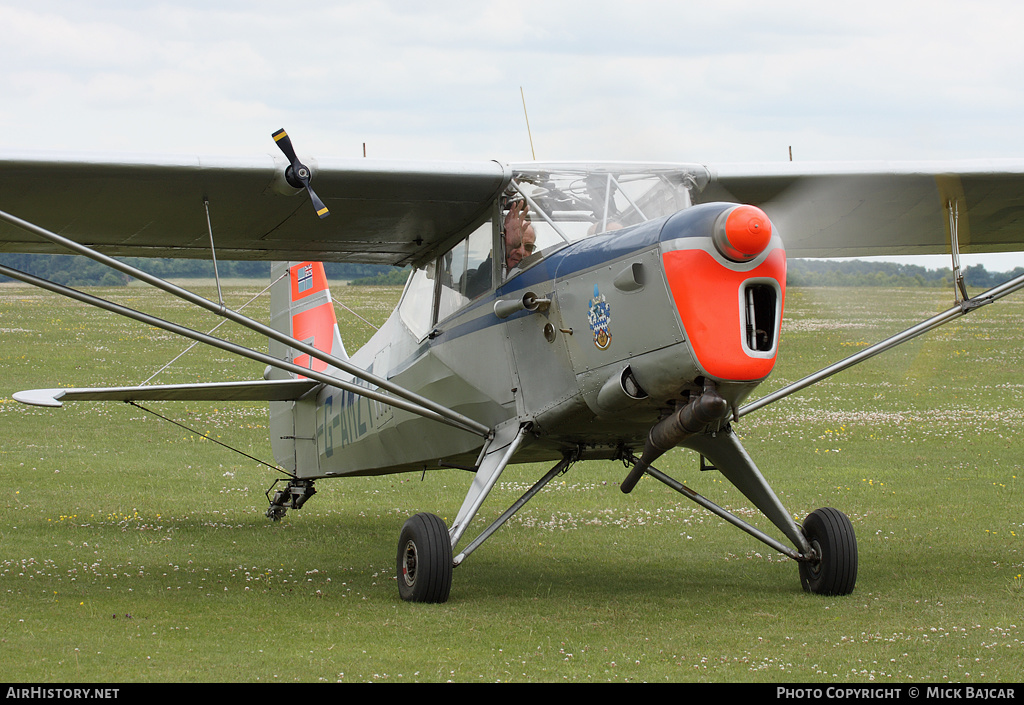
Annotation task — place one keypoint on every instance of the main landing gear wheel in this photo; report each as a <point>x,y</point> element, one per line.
<point>424,560</point>
<point>830,534</point>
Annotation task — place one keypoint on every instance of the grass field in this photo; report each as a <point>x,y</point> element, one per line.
<point>134,551</point>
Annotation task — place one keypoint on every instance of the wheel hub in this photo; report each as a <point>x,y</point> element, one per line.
<point>813,563</point>
<point>409,564</point>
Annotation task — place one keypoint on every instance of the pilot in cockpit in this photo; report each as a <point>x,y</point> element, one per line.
<point>520,238</point>
<point>520,241</point>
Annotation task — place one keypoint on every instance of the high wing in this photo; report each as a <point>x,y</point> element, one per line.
<point>850,209</point>
<point>403,212</point>
<point>261,390</point>
<point>382,212</point>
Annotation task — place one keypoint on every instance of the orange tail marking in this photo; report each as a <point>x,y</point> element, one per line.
<point>314,325</point>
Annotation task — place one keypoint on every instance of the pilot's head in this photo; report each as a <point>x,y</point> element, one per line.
<point>520,239</point>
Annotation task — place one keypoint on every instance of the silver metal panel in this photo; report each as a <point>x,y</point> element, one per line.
<point>538,343</point>
<point>307,459</point>
<point>639,320</point>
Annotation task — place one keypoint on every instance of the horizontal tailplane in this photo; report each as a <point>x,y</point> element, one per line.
<point>259,390</point>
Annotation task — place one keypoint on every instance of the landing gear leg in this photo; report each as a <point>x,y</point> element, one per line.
<point>425,546</point>
<point>833,571</point>
<point>826,547</point>
<point>291,497</point>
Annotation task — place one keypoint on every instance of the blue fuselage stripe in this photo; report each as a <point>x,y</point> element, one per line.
<point>580,257</point>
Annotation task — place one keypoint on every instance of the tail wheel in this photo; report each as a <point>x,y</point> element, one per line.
<point>424,560</point>
<point>834,572</point>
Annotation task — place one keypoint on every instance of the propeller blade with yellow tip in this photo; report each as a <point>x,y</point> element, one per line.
<point>298,174</point>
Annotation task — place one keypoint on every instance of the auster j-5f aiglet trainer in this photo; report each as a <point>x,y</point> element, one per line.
<point>554,312</point>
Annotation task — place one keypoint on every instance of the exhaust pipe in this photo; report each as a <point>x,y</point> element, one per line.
<point>689,420</point>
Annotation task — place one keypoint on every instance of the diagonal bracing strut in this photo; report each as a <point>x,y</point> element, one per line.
<point>227,346</point>
<point>411,400</point>
<point>961,309</point>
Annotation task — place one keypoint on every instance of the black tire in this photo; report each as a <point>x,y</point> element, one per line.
<point>424,563</point>
<point>830,534</point>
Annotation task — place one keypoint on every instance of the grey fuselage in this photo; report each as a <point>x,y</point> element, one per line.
<point>592,370</point>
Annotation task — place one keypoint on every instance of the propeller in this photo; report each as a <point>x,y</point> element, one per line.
<point>298,174</point>
<point>856,214</point>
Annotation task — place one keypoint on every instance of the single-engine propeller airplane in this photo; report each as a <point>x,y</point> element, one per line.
<point>554,312</point>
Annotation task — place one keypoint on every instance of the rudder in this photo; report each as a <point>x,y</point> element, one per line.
<point>300,307</point>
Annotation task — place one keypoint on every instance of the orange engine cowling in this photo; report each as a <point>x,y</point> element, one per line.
<point>728,286</point>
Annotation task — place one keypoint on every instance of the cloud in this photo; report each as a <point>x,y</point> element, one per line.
<point>653,80</point>
<point>726,81</point>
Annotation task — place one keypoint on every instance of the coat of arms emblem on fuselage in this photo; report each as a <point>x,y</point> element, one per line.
<point>600,317</point>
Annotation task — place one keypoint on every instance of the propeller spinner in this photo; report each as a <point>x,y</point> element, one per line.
<point>298,174</point>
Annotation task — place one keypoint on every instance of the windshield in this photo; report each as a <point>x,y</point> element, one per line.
<point>545,207</point>
<point>570,202</point>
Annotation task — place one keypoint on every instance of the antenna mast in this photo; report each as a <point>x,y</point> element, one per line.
<point>529,134</point>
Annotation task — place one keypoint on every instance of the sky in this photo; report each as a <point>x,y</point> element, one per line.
<point>722,82</point>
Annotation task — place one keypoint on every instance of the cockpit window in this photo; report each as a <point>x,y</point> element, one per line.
<point>466,271</point>
<point>568,204</point>
<point>416,307</point>
<point>453,280</point>
<point>545,208</point>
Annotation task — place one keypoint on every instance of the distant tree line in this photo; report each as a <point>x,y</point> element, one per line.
<point>395,277</point>
<point>75,270</point>
<point>802,272</point>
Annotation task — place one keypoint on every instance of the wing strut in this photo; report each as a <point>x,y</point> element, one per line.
<point>423,404</point>
<point>213,253</point>
<point>959,287</point>
<point>961,309</point>
<point>233,348</point>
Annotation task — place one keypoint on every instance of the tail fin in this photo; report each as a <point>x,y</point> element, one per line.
<point>301,306</point>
